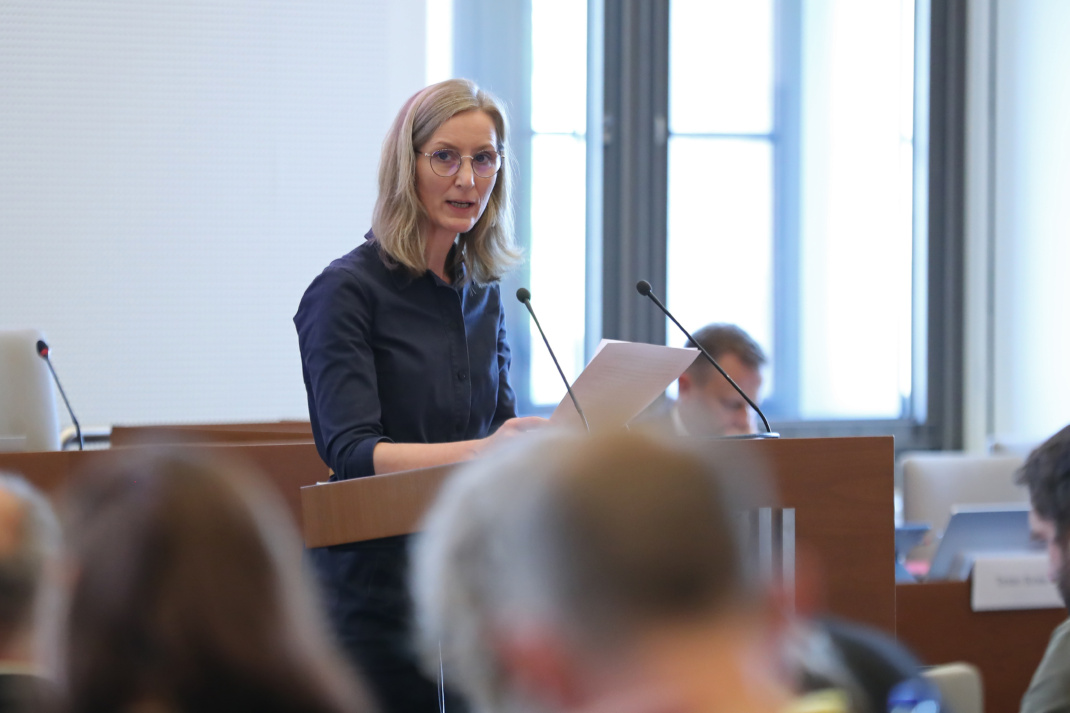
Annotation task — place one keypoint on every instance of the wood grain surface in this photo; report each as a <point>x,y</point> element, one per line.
<point>841,489</point>
<point>936,622</point>
<point>286,466</point>
<point>269,431</point>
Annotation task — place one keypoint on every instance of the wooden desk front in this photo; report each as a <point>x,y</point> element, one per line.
<point>936,622</point>
<point>181,434</point>
<point>287,466</point>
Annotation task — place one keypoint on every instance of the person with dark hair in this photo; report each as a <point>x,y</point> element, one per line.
<point>188,595</point>
<point>707,406</point>
<point>29,541</point>
<point>1046,473</point>
<point>404,353</point>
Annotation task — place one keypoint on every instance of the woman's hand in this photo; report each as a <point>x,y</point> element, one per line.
<point>394,457</point>
<point>512,428</point>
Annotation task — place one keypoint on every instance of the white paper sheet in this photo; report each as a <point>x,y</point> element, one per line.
<point>621,380</point>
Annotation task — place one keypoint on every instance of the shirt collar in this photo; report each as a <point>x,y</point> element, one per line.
<point>403,278</point>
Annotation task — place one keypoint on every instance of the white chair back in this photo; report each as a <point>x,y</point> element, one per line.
<point>1003,446</point>
<point>935,482</point>
<point>28,420</point>
<point>960,685</point>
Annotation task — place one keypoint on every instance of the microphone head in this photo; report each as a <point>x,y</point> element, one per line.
<point>42,349</point>
<point>523,294</point>
<point>643,287</point>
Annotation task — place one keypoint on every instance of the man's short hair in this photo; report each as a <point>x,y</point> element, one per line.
<point>722,339</point>
<point>1046,472</point>
<point>21,566</point>
<point>595,538</point>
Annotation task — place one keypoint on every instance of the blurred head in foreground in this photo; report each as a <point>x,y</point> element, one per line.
<point>602,573</point>
<point>29,539</point>
<point>187,594</point>
<point>1047,475</point>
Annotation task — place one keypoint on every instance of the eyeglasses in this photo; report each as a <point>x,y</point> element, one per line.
<point>447,162</point>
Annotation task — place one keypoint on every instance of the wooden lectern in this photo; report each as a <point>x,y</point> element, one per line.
<point>835,497</point>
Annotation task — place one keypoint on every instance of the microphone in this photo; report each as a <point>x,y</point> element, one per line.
<point>42,351</point>
<point>643,288</point>
<point>524,295</point>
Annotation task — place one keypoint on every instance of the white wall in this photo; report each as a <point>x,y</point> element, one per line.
<point>172,175</point>
<point>1018,321</point>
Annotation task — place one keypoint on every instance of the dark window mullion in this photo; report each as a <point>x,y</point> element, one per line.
<point>635,166</point>
<point>787,263</point>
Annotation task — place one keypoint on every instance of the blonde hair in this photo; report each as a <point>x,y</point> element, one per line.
<point>487,250</point>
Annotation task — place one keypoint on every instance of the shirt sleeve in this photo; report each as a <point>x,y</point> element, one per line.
<point>334,324</point>
<point>506,398</point>
<point>1049,691</point>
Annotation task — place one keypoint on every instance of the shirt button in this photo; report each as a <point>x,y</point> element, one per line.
<point>462,375</point>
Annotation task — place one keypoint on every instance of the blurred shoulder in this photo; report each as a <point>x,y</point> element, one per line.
<point>364,262</point>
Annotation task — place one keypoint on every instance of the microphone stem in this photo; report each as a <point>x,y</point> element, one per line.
<point>713,361</point>
<point>77,426</point>
<point>559,370</point>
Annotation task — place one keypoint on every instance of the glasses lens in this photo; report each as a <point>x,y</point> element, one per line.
<point>486,163</point>
<point>445,162</point>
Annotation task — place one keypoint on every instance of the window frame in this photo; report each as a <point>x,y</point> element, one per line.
<point>628,57</point>
<point>636,112</point>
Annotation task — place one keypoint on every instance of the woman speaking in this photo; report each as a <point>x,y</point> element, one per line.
<point>404,353</point>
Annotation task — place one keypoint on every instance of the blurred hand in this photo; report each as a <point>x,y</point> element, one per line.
<point>514,427</point>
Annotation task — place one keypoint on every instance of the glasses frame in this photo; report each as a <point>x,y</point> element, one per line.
<point>431,162</point>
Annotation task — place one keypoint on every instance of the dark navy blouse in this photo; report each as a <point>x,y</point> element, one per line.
<point>391,357</point>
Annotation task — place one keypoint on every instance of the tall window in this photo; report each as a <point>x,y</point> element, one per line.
<point>721,144</point>
<point>764,175</point>
<point>558,202</point>
<point>533,55</point>
<point>790,193</point>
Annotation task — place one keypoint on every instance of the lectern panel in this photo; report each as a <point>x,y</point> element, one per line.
<point>839,488</point>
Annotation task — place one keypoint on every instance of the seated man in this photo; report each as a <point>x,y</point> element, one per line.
<point>1047,475</point>
<point>602,574</point>
<point>707,405</point>
<point>29,538</point>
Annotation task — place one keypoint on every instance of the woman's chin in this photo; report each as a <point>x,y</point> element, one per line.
<point>460,226</point>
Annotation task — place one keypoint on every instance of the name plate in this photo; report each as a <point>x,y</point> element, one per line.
<point>1002,582</point>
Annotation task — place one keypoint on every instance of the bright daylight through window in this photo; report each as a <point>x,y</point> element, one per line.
<point>827,293</point>
<point>558,192</point>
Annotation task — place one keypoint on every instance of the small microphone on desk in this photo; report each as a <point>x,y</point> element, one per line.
<point>524,295</point>
<point>643,288</point>
<point>42,351</point>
